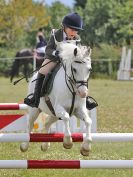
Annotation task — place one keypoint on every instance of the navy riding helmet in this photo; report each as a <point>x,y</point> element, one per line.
<point>73,20</point>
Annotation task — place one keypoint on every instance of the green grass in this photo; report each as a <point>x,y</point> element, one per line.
<point>115,112</point>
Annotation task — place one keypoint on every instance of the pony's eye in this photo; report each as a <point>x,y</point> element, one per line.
<point>74,70</point>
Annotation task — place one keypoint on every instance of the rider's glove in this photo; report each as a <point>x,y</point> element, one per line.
<point>55,53</point>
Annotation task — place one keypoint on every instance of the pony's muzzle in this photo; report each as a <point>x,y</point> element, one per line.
<point>82,91</point>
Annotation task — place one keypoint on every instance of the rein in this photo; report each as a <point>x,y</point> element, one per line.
<point>71,90</point>
<point>72,82</point>
<point>85,83</point>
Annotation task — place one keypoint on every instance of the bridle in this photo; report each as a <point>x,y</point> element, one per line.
<point>80,82</point>
<point>71,83</point>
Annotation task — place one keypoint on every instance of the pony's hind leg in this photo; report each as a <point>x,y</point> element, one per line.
<point>49,121</point>
<point>33,114</point>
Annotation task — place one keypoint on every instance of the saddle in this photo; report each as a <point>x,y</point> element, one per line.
<point>48,81</point>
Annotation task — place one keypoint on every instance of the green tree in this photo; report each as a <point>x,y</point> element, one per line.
<point>56,11</point>
<point>107,21</point>
<point>120,26</point>
<point>96,15</point>
<point>17,18</point>
<point>80,3</point>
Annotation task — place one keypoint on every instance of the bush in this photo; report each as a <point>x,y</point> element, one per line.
<point>6,55</point>
<point>105,68</point>
<point>106,51</point>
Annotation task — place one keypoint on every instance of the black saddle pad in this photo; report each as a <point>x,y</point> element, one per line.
<point>48,81</point>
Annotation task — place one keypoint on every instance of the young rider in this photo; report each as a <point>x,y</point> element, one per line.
<point>71,24</point>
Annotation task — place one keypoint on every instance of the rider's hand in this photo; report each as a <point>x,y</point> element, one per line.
<point>55,53</point>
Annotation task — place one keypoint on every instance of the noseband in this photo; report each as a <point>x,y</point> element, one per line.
<point>80,82</point>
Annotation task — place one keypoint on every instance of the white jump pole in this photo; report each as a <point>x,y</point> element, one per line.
<point>66,164</point>
<point>58,137</point>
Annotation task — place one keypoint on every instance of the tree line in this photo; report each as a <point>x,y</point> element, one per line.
<point>104,21</point>
<point>108,25</point>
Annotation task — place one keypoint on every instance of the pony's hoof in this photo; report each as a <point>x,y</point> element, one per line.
<point>24,147</point>
<point>67,142</point>
<point>45,146</point>
<point>84,152</point>
<point>85,149</point>
<point>67,146</point>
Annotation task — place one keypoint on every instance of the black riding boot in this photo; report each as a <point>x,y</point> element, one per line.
<point>35,100</point>
<point>90,103</point>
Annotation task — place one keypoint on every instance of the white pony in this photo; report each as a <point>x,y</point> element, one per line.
<point>68,96</point>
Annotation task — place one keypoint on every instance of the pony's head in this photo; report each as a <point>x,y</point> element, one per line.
<point>78,65</point>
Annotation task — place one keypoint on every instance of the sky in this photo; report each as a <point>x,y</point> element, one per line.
<point>65,2</point>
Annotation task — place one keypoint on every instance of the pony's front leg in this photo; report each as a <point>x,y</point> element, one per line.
<point>49,121</point>
<point>86,145</point>
<point>63,114</point>
<point>33,114</point>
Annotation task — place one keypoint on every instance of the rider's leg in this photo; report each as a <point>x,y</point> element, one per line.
<point>35,100</point>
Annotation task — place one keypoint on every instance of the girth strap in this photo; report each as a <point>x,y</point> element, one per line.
<point>49,104</point>
<point>72,105</point>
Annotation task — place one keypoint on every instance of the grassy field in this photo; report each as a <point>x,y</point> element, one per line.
<point>115,112</point>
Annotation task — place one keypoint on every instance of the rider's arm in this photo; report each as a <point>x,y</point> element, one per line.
<point>50,48</point>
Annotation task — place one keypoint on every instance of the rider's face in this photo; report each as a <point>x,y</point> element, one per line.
<point>71,33</point>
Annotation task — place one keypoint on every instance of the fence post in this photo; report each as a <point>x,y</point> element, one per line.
<point>110,68</point>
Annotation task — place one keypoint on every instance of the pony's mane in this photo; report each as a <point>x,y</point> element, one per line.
<point>67,52</point>
<point>86,52</point>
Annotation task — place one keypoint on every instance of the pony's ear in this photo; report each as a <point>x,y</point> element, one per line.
<point>75,52</point>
